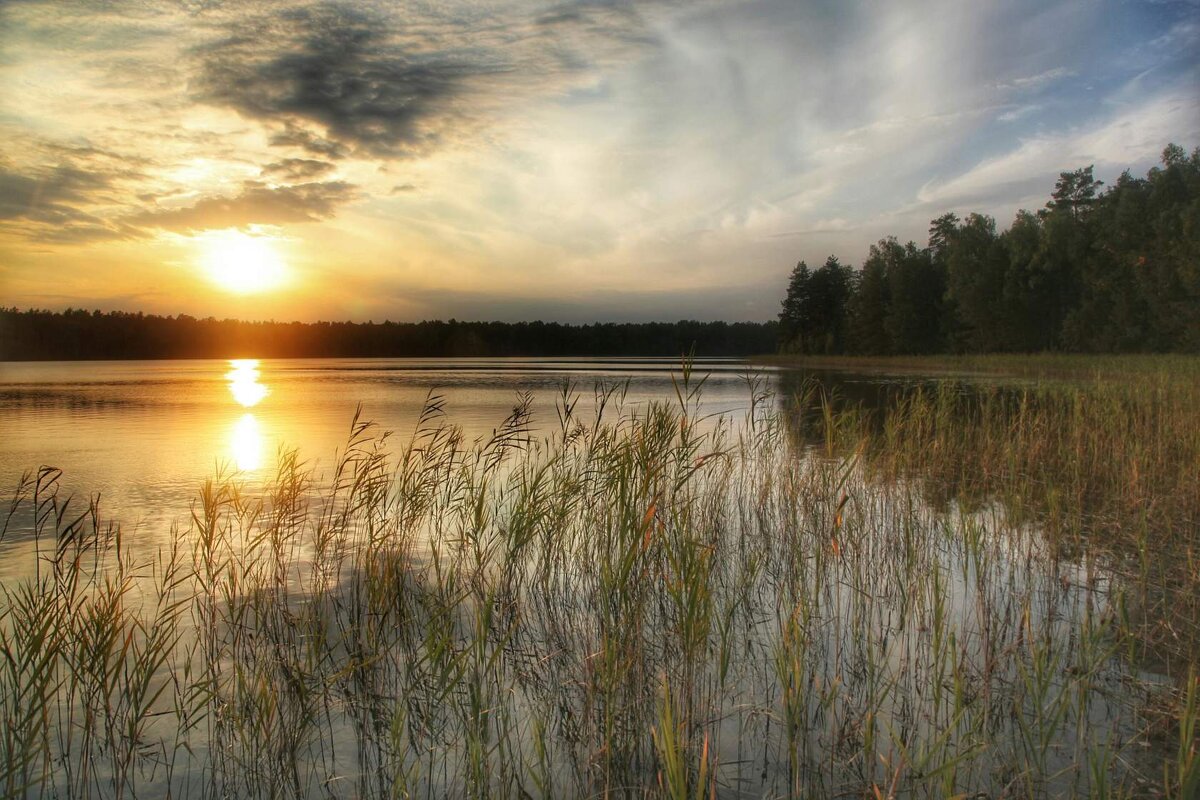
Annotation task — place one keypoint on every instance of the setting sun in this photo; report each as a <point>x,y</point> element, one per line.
<point>243,263</point>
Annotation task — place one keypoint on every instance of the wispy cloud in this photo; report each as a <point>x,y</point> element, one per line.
<point>1038,81</point>
<point>295,170</point>
<point>1136,135</point>
<point>256,204</point>
<point>1020,112</point>
<point>58,204</point>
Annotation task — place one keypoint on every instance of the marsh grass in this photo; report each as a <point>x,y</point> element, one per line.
<point>1099,467</point>
<point>967,595</point>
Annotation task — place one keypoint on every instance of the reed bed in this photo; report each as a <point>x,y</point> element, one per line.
<point>1098,466</point>
<point>939,600</point>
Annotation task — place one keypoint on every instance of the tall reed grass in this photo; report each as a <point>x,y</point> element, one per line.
<point>967,595</point>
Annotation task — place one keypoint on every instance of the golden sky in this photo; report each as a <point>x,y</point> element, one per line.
<point>304,159</point>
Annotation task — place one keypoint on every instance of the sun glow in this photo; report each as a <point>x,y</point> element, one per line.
<point>243,263</point>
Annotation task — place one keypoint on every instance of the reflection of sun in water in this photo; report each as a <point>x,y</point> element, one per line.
<point>247,443</point>
<point>243,382</point>
<point>242,263</point>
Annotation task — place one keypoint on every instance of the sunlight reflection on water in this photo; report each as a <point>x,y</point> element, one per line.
<point>146,435</point>
<point>246,443</point>
<point>243,382</point>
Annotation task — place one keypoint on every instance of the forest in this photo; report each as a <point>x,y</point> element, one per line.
<point>86,335</point>
<point>1096,270</point>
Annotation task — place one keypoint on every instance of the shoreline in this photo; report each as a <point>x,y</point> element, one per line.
<point>1015,365</point>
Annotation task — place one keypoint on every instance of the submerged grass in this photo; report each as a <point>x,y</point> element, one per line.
<point>966,594</point>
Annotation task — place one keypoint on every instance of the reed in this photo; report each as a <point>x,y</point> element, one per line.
<point>990,592</point>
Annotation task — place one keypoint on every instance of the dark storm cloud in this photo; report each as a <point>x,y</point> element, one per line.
<point>257,204</point>
<point>297,170</point>
<point>342,69</point>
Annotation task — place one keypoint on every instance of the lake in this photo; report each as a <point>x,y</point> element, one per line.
<point>146,434</point>
<point>736,596</point>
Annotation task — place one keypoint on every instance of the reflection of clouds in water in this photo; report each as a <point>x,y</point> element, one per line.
<point>247,443</point>
<point>243,382</point>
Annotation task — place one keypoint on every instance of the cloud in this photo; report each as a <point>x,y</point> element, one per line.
<point>52,197</point>
<point>1132,136</point>
<point>51,204</point>
<point>343,69</point>
<point>389,81</point>
<point>85,232</point>
<point>297,170</point>
<point>1014,114</point>
<point>1183,36</point>
<point>257,204</point>
<point>1038,81</point>
<point>293,135</point>
<point>820,227</point>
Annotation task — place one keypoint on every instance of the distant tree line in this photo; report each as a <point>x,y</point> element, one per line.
<point>83,335</point>
<point>1093,271</point>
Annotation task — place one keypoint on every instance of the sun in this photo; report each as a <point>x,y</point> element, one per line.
<point>243,263</point>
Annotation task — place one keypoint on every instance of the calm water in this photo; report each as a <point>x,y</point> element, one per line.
<point>145,434</point>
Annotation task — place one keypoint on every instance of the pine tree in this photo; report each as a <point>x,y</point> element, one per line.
<point>791,316</point>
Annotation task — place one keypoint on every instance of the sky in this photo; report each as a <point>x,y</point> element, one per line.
<point>570,161</point>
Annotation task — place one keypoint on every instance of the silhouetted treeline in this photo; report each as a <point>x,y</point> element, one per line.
<point>1093,271</point>
<point>83,335</point>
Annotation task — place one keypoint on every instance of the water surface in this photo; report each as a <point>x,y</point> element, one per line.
<point>146,434</point>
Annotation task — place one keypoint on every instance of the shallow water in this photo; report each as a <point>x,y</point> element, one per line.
<point>145,434</point>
